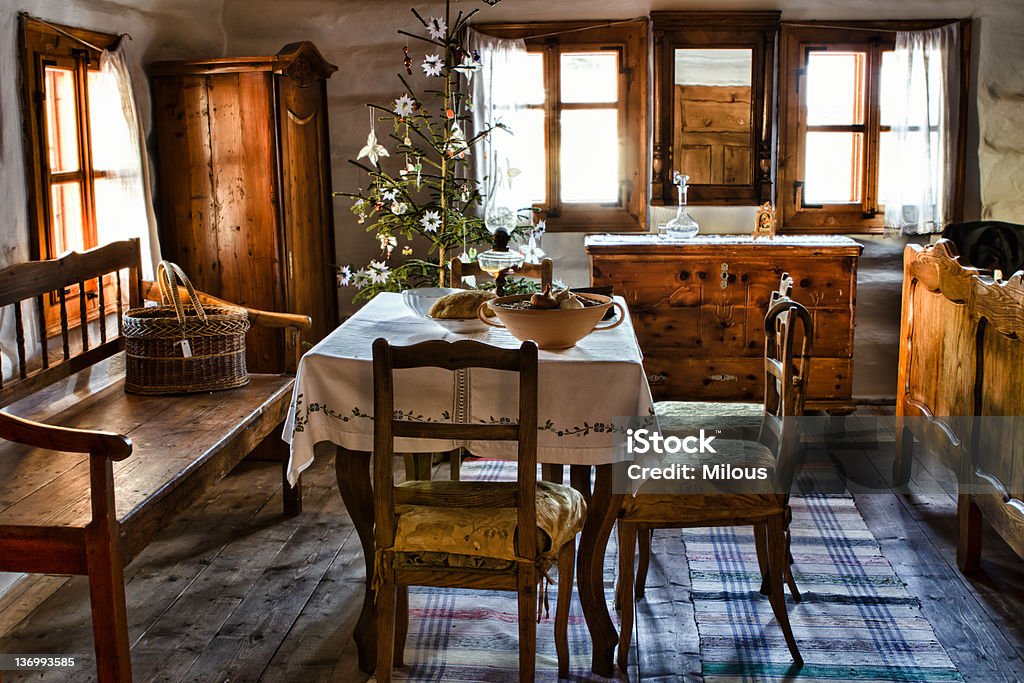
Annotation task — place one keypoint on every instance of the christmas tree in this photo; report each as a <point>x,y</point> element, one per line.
<point>433,194</point>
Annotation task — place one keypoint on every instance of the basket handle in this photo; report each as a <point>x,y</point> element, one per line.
<point>166,275</point>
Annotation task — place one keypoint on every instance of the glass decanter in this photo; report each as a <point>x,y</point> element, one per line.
<point>682,226</point>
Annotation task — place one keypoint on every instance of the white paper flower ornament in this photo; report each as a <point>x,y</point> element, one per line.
<point>373,149</point>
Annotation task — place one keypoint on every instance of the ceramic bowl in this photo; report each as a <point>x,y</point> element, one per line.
<point>551,329</point>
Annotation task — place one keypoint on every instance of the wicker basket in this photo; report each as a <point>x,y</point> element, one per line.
<point>177,348</point>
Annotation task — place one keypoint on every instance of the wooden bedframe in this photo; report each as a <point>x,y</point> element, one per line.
<point>962,368</point>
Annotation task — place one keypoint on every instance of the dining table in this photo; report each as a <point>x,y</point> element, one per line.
<point>585,395</point>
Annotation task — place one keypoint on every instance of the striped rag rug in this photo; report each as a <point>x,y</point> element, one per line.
<point>856,621</point>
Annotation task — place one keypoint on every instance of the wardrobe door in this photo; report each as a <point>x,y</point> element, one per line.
<point>218,192</point>
<point>306,209</point>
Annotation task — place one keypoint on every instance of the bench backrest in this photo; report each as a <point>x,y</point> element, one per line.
<point>962,368</point>
<point>937,340</point>
<point>109,275</point>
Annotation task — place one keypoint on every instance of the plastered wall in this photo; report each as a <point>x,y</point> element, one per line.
<point>360,37</point>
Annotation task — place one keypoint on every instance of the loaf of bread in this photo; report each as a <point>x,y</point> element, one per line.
<point>460,305</point>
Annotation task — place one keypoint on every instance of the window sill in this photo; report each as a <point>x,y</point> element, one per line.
<point>579,219</point>
<point>832,230</point>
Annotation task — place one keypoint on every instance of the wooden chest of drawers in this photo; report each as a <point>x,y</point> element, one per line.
<point>698,308</point>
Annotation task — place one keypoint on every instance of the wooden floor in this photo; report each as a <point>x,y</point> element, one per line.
<point>236,591</point>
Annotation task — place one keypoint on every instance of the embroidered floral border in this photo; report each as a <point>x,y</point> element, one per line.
<point>585,429</point>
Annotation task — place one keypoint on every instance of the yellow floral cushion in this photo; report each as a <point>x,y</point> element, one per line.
<point>486,532</point>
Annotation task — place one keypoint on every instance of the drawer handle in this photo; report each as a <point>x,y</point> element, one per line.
<point>724,283</point>
<point>723,378</point>
<point>657,378</point>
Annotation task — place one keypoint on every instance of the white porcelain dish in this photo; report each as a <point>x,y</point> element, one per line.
<point>460,326</point>
<point>420,300</point>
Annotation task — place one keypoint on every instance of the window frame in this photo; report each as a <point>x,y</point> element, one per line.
<point>40,45</point>
<point>874,38</point>
<point>629,39</point>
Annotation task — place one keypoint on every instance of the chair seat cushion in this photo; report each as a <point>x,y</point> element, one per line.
<point>486,532</point>
<point>710,500</point>
<point>707,409</point>
<point>732,420</point>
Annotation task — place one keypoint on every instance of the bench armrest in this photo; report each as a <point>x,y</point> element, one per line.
<point>39,435</point>
<point>151,292</point>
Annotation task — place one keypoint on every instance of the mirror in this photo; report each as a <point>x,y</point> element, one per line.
<point>712,104</point>
<point>714,74</point>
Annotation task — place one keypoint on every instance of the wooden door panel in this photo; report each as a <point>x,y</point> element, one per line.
<point>307,210</point>
<point>245,212</point>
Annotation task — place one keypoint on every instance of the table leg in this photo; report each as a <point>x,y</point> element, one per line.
<point>353,470</point>
<point>603,509</point>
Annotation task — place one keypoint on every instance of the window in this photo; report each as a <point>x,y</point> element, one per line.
<point>836,147</point>
<point>584,124</point>
<point>74,146</point>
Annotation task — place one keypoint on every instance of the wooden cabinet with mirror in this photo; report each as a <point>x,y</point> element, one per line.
<point>713,80</point>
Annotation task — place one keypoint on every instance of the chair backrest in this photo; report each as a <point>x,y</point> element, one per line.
<point>458,270</point>
<point>60,286</point>
<point>785,373</point>
<point>454,356</point>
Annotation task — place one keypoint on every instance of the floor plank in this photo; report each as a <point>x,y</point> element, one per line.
<point>235,590</point>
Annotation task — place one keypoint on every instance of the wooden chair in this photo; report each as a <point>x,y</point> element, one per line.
<point>459,270</point>
<point>495,553</point>
<point>768,511</point>
<point>687,413</point>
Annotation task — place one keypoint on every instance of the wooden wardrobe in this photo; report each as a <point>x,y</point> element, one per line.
<point>243,162</point>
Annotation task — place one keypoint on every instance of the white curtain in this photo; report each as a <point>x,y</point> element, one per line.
<point>919,198</point>
<point>124,202</point>
<point>497,160</point>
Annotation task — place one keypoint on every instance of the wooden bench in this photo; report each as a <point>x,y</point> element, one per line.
<point>961,373</point>
<point>90,474</point>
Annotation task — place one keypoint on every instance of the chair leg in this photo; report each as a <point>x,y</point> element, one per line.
<point>455,464</point>
<point>386,598</point>
<point>761,544</point>
<point>401,623</point>
<point>776,572</point>
<point>645,537</point>
<point>527,623</point>
<point>790,580</point>
<point>621,543</point>
<point>566,572</point>
<point>627,540</point>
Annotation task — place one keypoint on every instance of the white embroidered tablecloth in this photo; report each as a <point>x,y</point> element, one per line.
<point>581,390</point>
